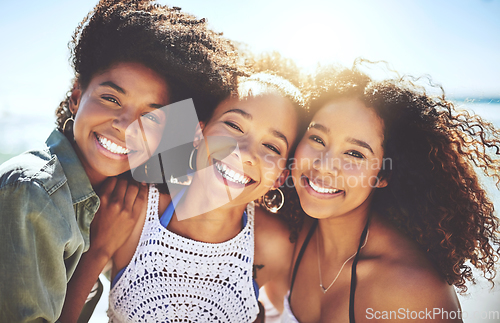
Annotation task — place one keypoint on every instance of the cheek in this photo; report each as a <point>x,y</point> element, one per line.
<point>83,122</point>
<point>220,146</point>
<point>300,165</point>
<point>272,167</point>
<point>360,175</point>
<point>154,138</point>
<point>304,155</point>
<point>89,115</point>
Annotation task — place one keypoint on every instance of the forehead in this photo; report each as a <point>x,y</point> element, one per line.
<point>133,76</point>
<point>268,107</point>
<point>351,118</point>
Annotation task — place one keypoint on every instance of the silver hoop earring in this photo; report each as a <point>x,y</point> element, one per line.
<point>273,200</point>
<point>191,158</point>
<point>66,123</point>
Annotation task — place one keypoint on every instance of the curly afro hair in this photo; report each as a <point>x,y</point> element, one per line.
<point>195,61</point>
<point>434,194</point>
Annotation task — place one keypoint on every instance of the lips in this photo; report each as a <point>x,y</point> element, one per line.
<point>111,146</point>
<point>320,190</point>
<point>231,175</point>
<point>323,190</point>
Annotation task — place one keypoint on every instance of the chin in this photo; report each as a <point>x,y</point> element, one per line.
<point>315,211</point>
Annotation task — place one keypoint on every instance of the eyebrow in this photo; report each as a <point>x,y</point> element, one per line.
<point>281,136</point>
<point>248,116</point>
<point>113,86</point>
<point>360,143</point>
<point>319,127</point>
<point>121,90</point>
<point>244,114</point>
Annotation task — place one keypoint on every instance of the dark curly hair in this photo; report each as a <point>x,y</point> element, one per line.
<point>434,193</point>
<point>274,63</point>
<point>195,61</point>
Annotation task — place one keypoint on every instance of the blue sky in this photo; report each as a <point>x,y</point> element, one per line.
<point>456,42</point>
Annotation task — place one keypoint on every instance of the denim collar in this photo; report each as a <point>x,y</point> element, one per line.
<point>78,181</point>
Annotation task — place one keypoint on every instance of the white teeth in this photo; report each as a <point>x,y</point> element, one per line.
<point>322,189</point>
<point>231,175</point>
<point>111,146</point>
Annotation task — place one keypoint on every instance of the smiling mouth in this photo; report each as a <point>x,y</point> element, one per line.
<point>322,190</point>
<point>230,175</point>
<point>111,146</point>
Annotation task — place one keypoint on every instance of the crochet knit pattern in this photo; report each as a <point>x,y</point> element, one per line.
<point>175,279</point>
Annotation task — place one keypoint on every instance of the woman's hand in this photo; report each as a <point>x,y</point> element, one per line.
<point>122,201</point>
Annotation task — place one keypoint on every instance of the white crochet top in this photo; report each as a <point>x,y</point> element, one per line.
<point>175,279</point>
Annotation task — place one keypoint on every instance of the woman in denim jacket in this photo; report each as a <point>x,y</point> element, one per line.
<point>129,59</point>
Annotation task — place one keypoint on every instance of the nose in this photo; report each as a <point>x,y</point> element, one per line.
<point>326,163</point>
<point>245,152</point>
<point>122,119</point>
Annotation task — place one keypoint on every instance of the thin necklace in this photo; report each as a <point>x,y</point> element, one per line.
<point>345,262</point>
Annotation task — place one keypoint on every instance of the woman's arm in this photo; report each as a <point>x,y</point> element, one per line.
<point>413,293</point>
<point>34,235</point>
<point>121,204</point>
<point>273,257</point>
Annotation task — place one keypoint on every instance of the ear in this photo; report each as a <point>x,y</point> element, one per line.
<point>198,134</point>
<point>383,181</point>
<point>282,178</point>
<point>74,99</point>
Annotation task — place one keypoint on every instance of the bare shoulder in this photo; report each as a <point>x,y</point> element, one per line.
<point>273,249</point>
<point>270,226</point>
<point>124,254</point>
<point>399,278</point>
<point>164,201</point>
<point>411,284</point>
<point>271,233</point>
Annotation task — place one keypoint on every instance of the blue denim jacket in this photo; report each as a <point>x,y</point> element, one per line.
<point>46,206</point>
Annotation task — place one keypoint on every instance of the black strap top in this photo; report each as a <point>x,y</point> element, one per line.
<point>353,271</point>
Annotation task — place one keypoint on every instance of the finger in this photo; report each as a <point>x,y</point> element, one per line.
<point>131,195</point>
<point>107,187</point>
<point>141,200</point>
<point>120,190</point>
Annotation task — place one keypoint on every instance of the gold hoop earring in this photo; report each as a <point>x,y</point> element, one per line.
<point>273,200</point>
<point>191,158</point>
<point>66,123</point>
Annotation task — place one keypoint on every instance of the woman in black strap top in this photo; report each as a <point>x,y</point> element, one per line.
<point>385,173</point>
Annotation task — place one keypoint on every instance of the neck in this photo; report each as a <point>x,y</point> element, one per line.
<point>196,217</point>
<point>340,236</point>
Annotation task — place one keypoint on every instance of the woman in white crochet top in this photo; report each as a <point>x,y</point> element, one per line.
<point>206,263</point>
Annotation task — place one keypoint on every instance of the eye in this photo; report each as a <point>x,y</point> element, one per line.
<point>355,154</point>
<point>233,125</point>
<point>273,148</point>
<point>111,99</point>
<point>317,139</point>
<point>152,117</point>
